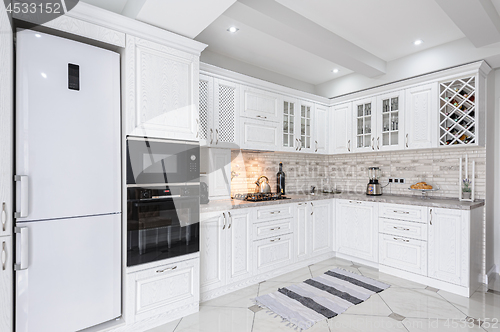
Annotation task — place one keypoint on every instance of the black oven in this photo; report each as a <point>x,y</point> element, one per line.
<point>163,199</point>
<point>162,222</point>
<point>156,161</point>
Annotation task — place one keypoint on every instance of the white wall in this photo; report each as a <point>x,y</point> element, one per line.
<point>452,54</point>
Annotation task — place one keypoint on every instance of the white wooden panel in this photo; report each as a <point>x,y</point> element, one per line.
<point>212,253</point>
<point>259,104</point>
<point>403,212</point>
<point>260,134</point>
<point>403,228</point>
<point>302,232</point>
<point>272,228</point>
<point>275,212</point>
<point>357,229</point>
<point>321,224</point>
<point>165,288</point>
<point>6,284</point>
<point>273,253</point>
<point>239,245</point>
<point>403,253</point>
<point>422,117</point>
<point>341,128</point>
<point>219,176</point>
<point>206,109</point>
<point>449,245</point>
<point>226,114</point>
<point>321,130</point>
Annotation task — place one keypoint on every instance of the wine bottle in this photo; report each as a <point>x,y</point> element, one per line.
<point>280,181</point>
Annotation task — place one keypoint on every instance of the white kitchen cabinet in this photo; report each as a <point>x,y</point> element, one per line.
<point>273,253</point>
<point>290,141</point>
<point>321,226</point>
<point>260,104</point>
<point>356,230</point>
<point>212,252</point>
<point>162,289</point>
<point>390,122</point>
<point>321,130</point>
<point>421,116</point>
<point>219,172</point>
<point>449,245</point>
<point>302,231</point>
<point>341,128</point>
<point>297,126</point>
<point>304,119</point>
<point>364,124</point>
<point>259,134</point>
<point>6,284</point>
<point>403,253</point>
<point>162,91</point>
<point>239,244</point>
<point>206,110</point>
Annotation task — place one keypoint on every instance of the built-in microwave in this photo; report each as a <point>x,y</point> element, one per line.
<point>156,161</point>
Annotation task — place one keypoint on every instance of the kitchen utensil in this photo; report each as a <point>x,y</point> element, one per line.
<point>374,188</point>
<point>262,186</point>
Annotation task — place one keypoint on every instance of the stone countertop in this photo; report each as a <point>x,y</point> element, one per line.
<point>446,203</point>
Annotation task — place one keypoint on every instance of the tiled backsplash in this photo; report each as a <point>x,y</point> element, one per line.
<point>348,172</point>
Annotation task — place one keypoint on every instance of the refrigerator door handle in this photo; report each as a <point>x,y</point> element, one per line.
<point>22,240</point>
<point>24,196</point>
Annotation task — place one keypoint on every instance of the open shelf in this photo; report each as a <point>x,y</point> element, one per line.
<point>457,112</point>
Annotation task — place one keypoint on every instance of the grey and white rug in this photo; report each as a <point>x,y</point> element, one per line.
<point>323,297</point>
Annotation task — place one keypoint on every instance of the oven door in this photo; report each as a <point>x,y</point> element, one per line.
<point>154,161</point>
<point>161,228</point>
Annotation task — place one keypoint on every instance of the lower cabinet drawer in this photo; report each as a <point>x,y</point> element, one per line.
<point>403,228</point>
<point>164,288</point>
<point>275,212</point>
<point>272,228</point>
<point>404,212</point>
<point>403,253</point>
<point>272,253</point>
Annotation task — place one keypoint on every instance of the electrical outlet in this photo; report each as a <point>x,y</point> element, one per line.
<point>402,181</point>
<point>390,180</point>
<point>396,180</point>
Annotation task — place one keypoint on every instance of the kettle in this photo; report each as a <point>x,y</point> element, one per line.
<point>262,186</point>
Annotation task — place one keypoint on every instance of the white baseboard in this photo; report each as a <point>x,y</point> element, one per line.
<point>491,274</point>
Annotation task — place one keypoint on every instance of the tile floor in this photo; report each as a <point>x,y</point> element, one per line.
<point>405,306</point>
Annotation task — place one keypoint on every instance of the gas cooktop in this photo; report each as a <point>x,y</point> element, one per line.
<point>259,197</point>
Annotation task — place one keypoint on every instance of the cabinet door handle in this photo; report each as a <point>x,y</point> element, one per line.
<point>349,145</point>
<point>378,143</point>
<point>297,144</point>
<point>400,239</point>
<point>401,212</point>
<point>197,128</point>
<point>300,144</point>
<point>275,240</point>
<point>24,196</point>
<point>312,208</point>
<point>211,136</point>
<point>216,136</point>
<point>224,215</point>
<point>4,256</point>
<point>262,117</point>
<point>4,216</point>
<point>167,269</point>
<point>276,228</point>
<point>230,219</point>
<point>373,143</point>
<point>406,140</point>
<point>22,238</point>
<point>316,150</point>
<point>431,217</point>
<point>401,228</point>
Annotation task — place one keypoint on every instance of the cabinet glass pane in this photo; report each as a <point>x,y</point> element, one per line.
<point>360,141</point>
<point>394,104</point>
<point>291,109</point>
<point>368,109</point>
<point>288,124</point>
<point>360,110</point>
<point>385,106</point>
<point>368,125</point>
<point>360,126</point>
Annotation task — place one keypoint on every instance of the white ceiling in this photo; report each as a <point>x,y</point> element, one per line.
<point>305,39</point>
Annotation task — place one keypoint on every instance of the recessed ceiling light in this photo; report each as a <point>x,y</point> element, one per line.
<point>232,29</point>
<point>335,71</point>
<point>38,35</point>
<point>43,75</point>
<point>418,42</point>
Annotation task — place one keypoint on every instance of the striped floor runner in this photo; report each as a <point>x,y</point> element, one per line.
<point>303,305</point>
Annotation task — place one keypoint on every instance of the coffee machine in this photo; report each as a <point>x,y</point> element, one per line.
<point>374,188</point>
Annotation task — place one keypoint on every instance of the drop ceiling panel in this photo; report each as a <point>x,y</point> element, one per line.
<point>259,49</point>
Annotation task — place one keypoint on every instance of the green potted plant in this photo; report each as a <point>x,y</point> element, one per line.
<point>466,189</point>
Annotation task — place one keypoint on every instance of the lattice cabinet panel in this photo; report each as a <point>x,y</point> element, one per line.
<point>226,112</point>
<point>457,111</point>
<point>204,107</point>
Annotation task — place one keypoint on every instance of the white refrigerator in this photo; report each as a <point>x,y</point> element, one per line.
<point>68,192</point>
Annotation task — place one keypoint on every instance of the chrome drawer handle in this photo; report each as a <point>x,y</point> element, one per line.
<point>401,212</point>
<point>349,145</point>
<point>316,150</point>
<point>406,140</point>
<point>312,209</point>
<point>373,145</point>
<point>276,239</point>
<point>230,219</point>
<point>400,239</point>
<point>431,218</point>
<point>167,269</point>
<point>401,228</point>
<point>275,229</point>
<point>273,212</point>
<point>224,215</point>
<point>262,117</point>
<point>4,256</point>
<point>211,135</point>
<point>4,216</point>
<point>216,136</point>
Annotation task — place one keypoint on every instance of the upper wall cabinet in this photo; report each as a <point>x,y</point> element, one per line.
<point>390,114</point>
<point>321,129</point>
<point>297,121</point>
<point>305,123</point>
<point>259,104</point>
<point>421,117</point>
<point>219,112</point>
<point>364,124</point>
<point>341,128</point>
<point>290,141</point>
<point>161,91</point>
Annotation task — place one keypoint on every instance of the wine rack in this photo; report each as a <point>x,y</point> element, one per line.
<point>457,112</point>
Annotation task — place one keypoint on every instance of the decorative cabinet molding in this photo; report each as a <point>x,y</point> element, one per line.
<point>341,124</point>
<point>421,117</point>
<point>162,91</point>
<point>356,229</point>
<point>259,104</point>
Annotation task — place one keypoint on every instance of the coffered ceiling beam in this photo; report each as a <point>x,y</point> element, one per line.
<point>281,22</point>
<point>478,19</point>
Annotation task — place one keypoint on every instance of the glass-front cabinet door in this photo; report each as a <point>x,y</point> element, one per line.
<point>290,142</point>
<point>364,124</point>
<point>390,128</point>
<point>306,112</point>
